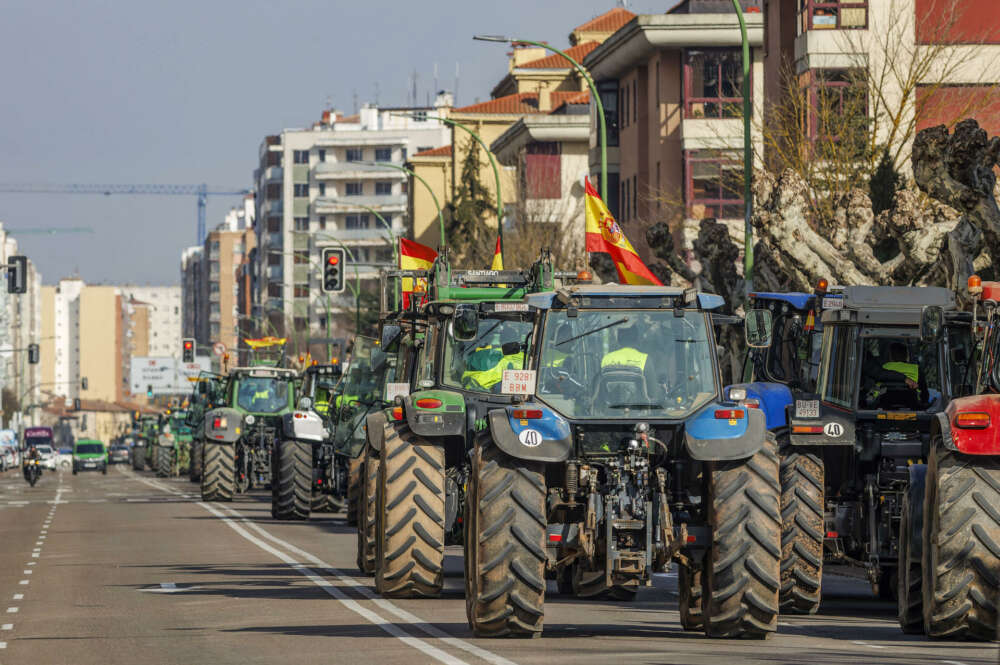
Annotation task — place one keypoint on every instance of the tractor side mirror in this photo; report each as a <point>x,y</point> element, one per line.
<point>465,323</point>
<point>931,324</point>
<point>757,328</point>
<point>390,334</point>
<point>510,348</point>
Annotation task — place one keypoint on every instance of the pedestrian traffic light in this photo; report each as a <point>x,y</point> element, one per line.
<point>333,270</point>
<point>187,350</point>
<point>17,274</point>
<point>33,354</point>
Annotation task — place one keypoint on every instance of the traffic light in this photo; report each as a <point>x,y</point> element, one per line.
<point>149,391</point>
<point>17,274</point>
<point>33,354</point>
<point>333,270</point>
<point>187,350</point>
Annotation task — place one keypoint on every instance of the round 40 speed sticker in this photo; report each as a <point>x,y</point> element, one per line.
<point>833,429</point>
<point>531,438</point>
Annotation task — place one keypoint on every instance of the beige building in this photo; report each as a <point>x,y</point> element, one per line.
<point>225,250</point>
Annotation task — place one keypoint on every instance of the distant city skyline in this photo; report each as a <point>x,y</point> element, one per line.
<point>135,93</point>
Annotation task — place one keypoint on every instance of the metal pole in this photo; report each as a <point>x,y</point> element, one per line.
<point>747,156</point>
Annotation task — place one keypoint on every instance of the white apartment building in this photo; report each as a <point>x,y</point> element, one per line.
<point>20,325</point>
<point>322,186</point>
<point>165,316</point>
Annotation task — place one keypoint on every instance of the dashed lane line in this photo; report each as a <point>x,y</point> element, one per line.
<point>389,627</point>
<point>18,596</point>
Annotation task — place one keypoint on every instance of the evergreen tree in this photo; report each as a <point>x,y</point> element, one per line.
<point>470,236</point>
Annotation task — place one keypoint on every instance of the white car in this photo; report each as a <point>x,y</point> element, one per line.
<point>47,455</point>
<point>9,457</point>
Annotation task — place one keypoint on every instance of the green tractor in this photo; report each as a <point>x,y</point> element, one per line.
<point>416,464</point>
<point>239,433</point>
<point>173,445</point>
<point>208,392</point>
<point>148,426</point>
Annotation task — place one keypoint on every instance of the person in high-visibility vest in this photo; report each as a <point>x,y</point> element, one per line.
<point>627,354</point>
<point>899,363</point>
<point>487,363</point>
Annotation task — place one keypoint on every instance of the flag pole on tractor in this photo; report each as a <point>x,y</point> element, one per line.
<point>414,256</point>
<point>497,257</point>
<point>604,235</point>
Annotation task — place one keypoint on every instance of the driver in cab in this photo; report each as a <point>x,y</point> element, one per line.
<point>485,366</point>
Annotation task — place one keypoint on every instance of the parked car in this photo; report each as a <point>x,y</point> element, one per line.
<point>8,458</point>
<point>64,458</point>
<point>47,455</point>
<point>118,454</point>
<point>90,455</point>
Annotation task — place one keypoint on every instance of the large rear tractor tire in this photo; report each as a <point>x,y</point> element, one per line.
<point>411,494</point>
<point>291,484</point>
<point>504,545</point>
<point>802,509</point>
<point>218,480</point>
<point>194,470</point>
<point>961,556</point>
<point>743,570</point>
<point>909,598</point>
<point>326,503</point>
<point>353,490</point>
<point>164,455</point>
<point>367,510</point>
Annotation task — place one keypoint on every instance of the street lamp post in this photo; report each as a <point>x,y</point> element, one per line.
<point>403,169</point>
<point>747,156</point>
<point>601,126</point>
<point>496,172</point>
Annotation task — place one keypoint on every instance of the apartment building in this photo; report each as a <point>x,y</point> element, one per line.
<point>327,185</point>
<point>20,325</point>
<point>225,251</point>
<point>671,86</point>
<point>159,318</point>
<point>538,84</point>
<point>191,290</point>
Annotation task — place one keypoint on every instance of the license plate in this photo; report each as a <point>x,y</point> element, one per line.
<point>807,408</point>
<point>518,382</point>
<point>833,303</point>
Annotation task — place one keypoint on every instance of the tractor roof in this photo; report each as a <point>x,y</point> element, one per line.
<point>889,305</point>
<point>798,300</point>
<point>624,295</point>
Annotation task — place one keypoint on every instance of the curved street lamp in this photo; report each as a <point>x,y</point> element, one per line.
<point>403,169</point>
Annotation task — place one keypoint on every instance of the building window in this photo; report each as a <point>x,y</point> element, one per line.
<point>402,153</point>
<point>383,154</point>
<point>214,330</point>
<point>321,153</point>
<point>300,156</point>
<point>213,287</point>
<point>353,189</point>
<point>274,258</point>
<point>383,188</point>
<point>713,184</point>
<point>356,222</point>
<point>425,147</point>
<point>542,171</point>
<point>300,323</point>
<point>300,258</point>
<point>353,155</point>
<point>273,224</point>
<point>273,191</point>
<point>608,90</point>
<point>322,222</point>
<point>274,290</point>
<point>300,190</point>
<point>419,116</point>
<point>322,189</point>
<point>825,15</point>
<point>301,290</point>
<point>837,101</point>
<point>713,83</point>
<point>301,223</point>
<point>213,308</point>
<point>272,159</point>
<point>404,187</point>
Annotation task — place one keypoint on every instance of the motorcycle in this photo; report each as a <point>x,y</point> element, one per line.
<point>33,471</point>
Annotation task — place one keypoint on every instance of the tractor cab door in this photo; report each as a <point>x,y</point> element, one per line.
<point>828,416</point>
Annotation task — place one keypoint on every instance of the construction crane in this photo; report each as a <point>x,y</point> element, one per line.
<point>201,191</point>
<point>52,230</point>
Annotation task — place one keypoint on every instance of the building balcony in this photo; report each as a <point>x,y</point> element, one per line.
<point>272,207</point>
<point>274,273</point>
<point>389,203</point>
<point>273,174</point>
<point>215,317</point>
<point>712,134</point>
<point>356,171</point>
<point>377,233</point>
<point>274,240</point>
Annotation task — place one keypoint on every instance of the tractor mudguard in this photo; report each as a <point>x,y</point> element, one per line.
<point>967,440</point>
<point>711,439</point>
<point>915,495</point>
<point>774,399</point>
<point>545,439</point>
<point>304,426</point>
<point>223,425</point>
<point>446,419</point>
<point>375,429</point>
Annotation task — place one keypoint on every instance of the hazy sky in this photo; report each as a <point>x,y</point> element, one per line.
<point>182,92</point>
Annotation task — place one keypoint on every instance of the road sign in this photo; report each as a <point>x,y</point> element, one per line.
<point>219,349</point>
<point>164,374</point>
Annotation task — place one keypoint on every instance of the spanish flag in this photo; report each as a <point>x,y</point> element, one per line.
<point>497,257</point>
<point>414,256</point>
<point>604,235</point>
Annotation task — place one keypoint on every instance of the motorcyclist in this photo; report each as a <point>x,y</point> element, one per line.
<point>30,458</point>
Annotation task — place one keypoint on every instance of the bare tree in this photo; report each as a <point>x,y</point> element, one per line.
<point>554,224</point>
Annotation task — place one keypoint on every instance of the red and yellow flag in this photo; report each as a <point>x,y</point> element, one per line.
<point>604,235</point>
<point>497,257</point>
<point>414,256</point>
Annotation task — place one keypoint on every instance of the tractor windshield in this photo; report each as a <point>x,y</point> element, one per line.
<point>259,394</point>
<point>886,367</point>
<point>626,364</point>
<point>478,365</point>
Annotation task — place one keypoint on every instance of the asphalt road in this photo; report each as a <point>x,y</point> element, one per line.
<point>127,568</point>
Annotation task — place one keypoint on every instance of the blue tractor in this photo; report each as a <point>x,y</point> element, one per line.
<point>618,455</point>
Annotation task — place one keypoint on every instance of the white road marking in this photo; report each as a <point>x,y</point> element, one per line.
<point>167,585</point>
<point>18,596</point>
<point>28,572</point>
<point>37,549</point>
<point>7,626</point>
<point>952,662</point>
<point>12,610</point>
<point>35,554</point>
<point>865,644</point>
<point>3,645</point>
<point>31,563</point>
<point>24,582</point>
